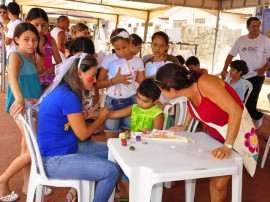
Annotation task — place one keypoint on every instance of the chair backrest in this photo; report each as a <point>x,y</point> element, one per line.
<point>180,105</point>
<point>249,89</point>
<point>33,148</point>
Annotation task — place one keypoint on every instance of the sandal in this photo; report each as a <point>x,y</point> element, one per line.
<point>47,191</point>
<point>119,198</point>
<point>71,197</point>
<point>12,197</point>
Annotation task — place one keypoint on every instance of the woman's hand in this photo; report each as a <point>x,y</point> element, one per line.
<point>221,153</point>
<point>104,113</point>
<point>17,107</point>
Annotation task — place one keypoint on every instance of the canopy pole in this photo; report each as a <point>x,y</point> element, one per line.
<point>216,35</point>
<point>3,60</point>
<point>146,26</point>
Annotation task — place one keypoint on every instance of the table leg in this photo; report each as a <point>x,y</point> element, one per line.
<point>237,182</point>
<point>140,185</point>
<point>157,190</point>
<point>190,189</point>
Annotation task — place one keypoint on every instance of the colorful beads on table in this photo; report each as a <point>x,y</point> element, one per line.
<point>147,130</point>
<point>124,142</point>
<point>132,148</point>
<point>138,138</point>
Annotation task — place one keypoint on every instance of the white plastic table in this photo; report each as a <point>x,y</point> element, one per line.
<point>156,162</point>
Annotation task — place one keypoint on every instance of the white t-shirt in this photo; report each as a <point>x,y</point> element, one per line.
<point>120,91</point>
<point>253,51</point>
<point>54,34</point>
<point>239,87</point>
<point>12,46</point>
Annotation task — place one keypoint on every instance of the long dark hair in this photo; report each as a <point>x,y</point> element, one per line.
<point>23,27</point>
<point>35,13</point>
<point>71,77</point>
<point>175,76</point>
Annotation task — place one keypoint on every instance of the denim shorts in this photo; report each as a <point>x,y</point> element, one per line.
<point>116,125</point>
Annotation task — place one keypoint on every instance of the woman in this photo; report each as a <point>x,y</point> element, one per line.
<point>63,133</point>
<point>217,105</point>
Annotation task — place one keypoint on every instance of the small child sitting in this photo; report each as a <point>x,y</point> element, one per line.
<point>193,63</point>
<point>144,114</point>
<point>238,69</point>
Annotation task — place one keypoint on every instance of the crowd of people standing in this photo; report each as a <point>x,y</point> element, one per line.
<point>135,90</point>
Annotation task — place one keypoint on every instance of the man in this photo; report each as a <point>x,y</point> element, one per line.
<point>59,34</point>
<point>13,10</point>
<point>254,49</point>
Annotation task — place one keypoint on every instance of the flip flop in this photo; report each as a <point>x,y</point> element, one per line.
<point>11,197</point>
<point>47,191</point>
<point>71,197</point>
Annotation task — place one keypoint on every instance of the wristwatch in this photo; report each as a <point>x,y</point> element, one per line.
<point>230,146</point>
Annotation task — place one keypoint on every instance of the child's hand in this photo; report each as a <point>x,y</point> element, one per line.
<point>178,128</point>
<point>124,79</point>
<point>17,107</point>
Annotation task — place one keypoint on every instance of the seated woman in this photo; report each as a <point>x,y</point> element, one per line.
<point>63,133</point>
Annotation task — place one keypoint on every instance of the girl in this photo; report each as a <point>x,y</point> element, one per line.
<point>159,45</point>
<point>47,46</point>
<point>63,135</point>
<point>23,83</point>
<point>121,91</point>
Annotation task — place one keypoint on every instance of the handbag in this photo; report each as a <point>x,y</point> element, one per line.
<point>246,143</point>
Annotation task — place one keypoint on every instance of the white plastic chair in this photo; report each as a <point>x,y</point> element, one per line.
<point>268,143</point>
<point>249,89</point>
<point>38,178</point>
<point>181,108</point>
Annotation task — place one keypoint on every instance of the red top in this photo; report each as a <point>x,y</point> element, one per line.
<point>210,112</point>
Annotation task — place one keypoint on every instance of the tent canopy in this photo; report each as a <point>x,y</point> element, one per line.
<point>143,9</point>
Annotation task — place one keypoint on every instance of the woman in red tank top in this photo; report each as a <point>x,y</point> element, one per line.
<point>215,102</point>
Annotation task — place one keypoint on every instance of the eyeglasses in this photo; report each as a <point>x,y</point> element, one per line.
<point>4,12</point>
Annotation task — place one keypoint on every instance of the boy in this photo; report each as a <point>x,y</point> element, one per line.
<point>144,114</point>
<point>238,69</point>
<point>136,44</point>
<point>193,63</point>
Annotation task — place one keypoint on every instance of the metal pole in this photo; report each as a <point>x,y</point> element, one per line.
<point>146,26</point>
<point>216,35</point>
<point>3,59</point>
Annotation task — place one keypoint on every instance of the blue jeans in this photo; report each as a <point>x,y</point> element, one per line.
<point>89,163</point>
<point>116,125</point>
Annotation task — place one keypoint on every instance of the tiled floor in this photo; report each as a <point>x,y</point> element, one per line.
<point>255,189</point>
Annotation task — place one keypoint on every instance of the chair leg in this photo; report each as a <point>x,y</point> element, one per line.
<point>265,152</point>
<point>40,193</point>
<point>30,193</point>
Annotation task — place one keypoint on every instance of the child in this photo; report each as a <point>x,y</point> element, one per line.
<point>181,59</point>
<point>193,63</point>
<point>121,91</point>
<point>159,45</point>
<point>38,17</point>
<point>238,69</point>
<point>144,114</point>
<point>136,44</point>
<point>23,82</point>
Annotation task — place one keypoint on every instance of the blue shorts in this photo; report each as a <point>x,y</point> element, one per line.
<point>116,125</point>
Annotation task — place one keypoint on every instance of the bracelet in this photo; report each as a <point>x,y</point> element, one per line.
<point>185,126</point>
<point>111,82</point>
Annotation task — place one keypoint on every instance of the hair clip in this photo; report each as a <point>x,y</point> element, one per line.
<point>122,34</point>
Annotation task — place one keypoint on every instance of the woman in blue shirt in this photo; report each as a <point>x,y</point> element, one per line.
<point>63,133</point>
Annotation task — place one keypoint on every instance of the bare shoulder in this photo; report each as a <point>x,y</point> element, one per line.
<point>209,83</point>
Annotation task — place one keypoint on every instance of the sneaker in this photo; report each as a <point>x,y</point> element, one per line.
<point>258,123</point>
